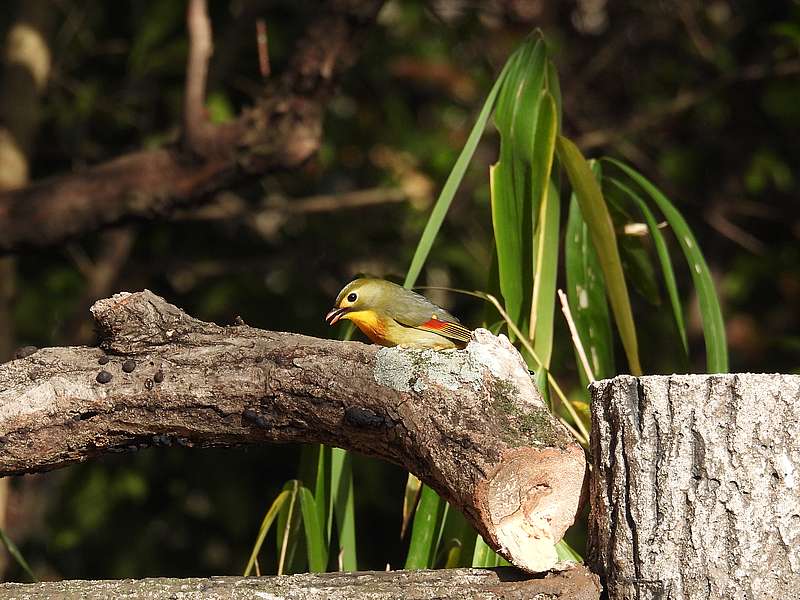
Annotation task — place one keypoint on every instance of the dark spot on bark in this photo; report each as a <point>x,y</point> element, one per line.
<point>103,377</point>
<point>251,416</point>
<point>86,415</point>
<point>239,320</point>
<point>364,417</point>
<point>103,360</point>
<point>159,376</point>
<point>129,365</point>
<point>3,439</point>
<point>148,384</point>
<point>162,440</point>
<point>25,351</point>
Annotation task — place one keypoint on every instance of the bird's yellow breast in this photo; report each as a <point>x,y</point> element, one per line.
<point>386,331</point>
<point>370,323</point>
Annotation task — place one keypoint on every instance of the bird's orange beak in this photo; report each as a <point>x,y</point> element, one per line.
<point>335,314</point>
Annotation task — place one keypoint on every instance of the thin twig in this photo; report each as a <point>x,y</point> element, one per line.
<point>576,340</point>
<point>197,126</point>
<point>227,205</point>
<point>263,48</point>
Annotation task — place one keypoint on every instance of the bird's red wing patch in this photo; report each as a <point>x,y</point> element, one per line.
<point>454,331</point>
<point>435,324</point>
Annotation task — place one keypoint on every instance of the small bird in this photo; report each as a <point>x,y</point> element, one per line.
<point>391,315</point>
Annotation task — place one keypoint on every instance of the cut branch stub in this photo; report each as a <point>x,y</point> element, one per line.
<point>469,423</point>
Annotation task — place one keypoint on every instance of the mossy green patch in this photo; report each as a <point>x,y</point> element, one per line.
<point>524,427</point>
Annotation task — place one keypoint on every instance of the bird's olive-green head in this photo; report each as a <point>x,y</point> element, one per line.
<point>364,294</point>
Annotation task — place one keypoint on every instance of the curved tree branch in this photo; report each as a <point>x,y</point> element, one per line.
<point>281,131</point>
<point>469,423</point>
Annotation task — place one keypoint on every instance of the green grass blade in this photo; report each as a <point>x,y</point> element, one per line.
<point>526,118</point>
<point>555,89</point>
<point>315,474</point>
<point>451,185</point>
<point>710,311</point>
<point>483,555</point>
<point>545,275</point>
<point>12,549</point>
<point>565,552</point>
<point>410,499</point>
<point>316,546</point>
<point>422,550</point>
<point>457,541</point>
<point>343,505</point>
<point>290,541</point>
<point>662,252</point>
<point>506,219</point>
<point>587,296</point>
<point>266,523</point>
<point>601,230</point>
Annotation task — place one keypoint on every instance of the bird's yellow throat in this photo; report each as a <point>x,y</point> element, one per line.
<point>369,322</point>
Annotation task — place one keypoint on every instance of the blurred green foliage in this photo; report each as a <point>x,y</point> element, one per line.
<point>703,98</point>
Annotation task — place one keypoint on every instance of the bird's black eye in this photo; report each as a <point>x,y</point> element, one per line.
<point>352,297</point>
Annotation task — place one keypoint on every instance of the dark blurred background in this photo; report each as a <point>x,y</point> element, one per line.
<point>702,96</point>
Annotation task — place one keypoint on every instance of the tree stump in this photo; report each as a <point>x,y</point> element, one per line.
<point>695,486</point>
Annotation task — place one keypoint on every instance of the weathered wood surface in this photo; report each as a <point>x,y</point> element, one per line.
<point>506,583</point>
<point>469,423</point>
<point>695,487</point>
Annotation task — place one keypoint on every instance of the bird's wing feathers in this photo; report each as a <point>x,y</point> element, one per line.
<point>414,310</point>
<point>455,331</point>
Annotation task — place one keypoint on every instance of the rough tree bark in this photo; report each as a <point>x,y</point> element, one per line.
<point>465,584</point>
<point>695,486</point>
<point>280,132</point>
<point>469,423</point>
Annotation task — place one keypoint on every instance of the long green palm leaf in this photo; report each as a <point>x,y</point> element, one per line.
<point>710,311</point>
<point>663,258</point>
<point>595,213</point>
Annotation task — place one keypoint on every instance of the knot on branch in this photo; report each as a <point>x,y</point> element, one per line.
<point>132,322</point>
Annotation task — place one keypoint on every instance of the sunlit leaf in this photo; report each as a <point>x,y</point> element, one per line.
<point>545,275</point>
<point>410,499</point>
<point>601,230</point>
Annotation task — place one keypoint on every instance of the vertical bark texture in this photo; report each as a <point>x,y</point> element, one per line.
<point>696,486</point>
